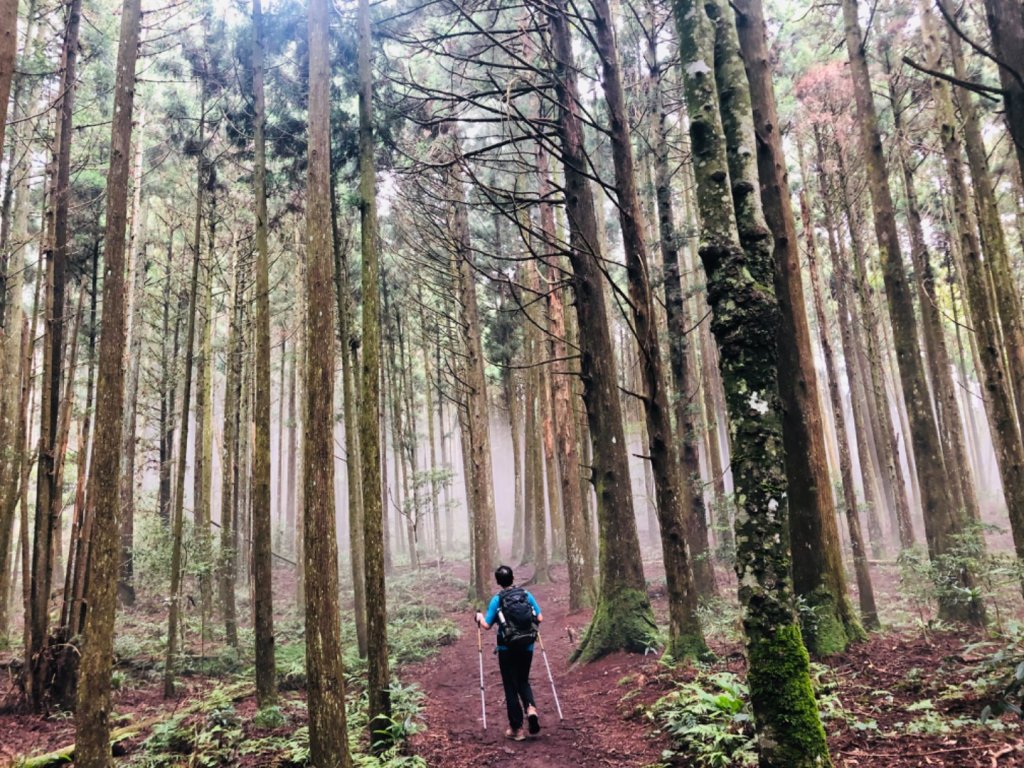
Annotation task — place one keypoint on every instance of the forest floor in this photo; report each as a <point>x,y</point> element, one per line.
<point>909,697</point>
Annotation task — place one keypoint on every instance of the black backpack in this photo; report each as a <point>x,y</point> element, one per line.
<point>516,619</point>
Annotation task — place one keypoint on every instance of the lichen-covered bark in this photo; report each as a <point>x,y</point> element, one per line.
<point>92,721</point>
<point>943,522</point>
<point>818,575</point>
<point>623,619</point>
<point>745,323</point>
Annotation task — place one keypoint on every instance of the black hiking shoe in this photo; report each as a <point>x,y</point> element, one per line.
<point>533,720</point>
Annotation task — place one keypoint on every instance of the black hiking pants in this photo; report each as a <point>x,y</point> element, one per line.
<point>515,676</point>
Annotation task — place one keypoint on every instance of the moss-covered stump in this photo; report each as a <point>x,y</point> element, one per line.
<point>623,621</point>
<point>779,681</point>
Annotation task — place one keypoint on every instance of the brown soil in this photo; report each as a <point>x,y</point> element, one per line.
<point>593,733</point>
<point>876,682</point>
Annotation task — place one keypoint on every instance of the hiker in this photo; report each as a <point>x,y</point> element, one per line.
<point>517,615</point>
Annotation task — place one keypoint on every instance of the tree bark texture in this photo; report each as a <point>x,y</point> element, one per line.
<point>262,530</point>
<point>92,721</point>
<point>745,323</point>
<point>675,514</point>
<point>818,575</point>
<point>943,522</point>
<point>623,619</point>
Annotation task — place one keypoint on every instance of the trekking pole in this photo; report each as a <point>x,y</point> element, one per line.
<point>480,650</point>
<point>550,678</point>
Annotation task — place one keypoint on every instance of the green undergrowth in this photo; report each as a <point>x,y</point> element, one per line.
<point>217,736</point>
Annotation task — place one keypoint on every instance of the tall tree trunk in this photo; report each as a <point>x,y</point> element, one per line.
<point>262,529</point>
<point>55,254</point>
<point>745,323</point>
<point>228,564</point>
<point>378,673</point>
<point>680,359</point>
<point>92,721</point>
<point>8,53</point>
<point>865,590</point>
<point>139,269</point>
<point>675,514</point>
<point>998,400</point>
<point>817,568</point>
<point>947,409</point>
<point>943,522</point>
<point>869,357</point>
<point>168,396</point>
<point>582,589</point>
<point>622,619</point>
<point>343,296</point>
<point>1009,303</point>
<point>856,387</point>
<point>177,521</point>
<point>476,385</point>
<point>536,426</point>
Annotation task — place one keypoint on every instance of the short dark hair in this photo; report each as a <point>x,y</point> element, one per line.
<point>504,576</point>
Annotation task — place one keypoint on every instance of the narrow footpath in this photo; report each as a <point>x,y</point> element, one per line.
<point>597,729</point>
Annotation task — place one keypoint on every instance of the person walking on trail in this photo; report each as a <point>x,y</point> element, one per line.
<point>517,615</point>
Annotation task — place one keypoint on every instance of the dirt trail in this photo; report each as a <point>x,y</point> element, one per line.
<point>595,733</point>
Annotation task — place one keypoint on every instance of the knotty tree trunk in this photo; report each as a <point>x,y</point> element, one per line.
<point>745,323</point>
<point>943,522</point>
<point>378,673</point>
<point>818,575</point>
<point>92,722</point>
<point>262,530</point>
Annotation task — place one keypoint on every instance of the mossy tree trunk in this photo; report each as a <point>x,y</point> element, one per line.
<point>92,720</point>
<point>818,576</point>
<point>262,530</point>
<point>675,500</point>
<point>328,734</point>
<point>623,619</point>
<point>745,323</point>
<point>378,673</point>
<point>943,522</point>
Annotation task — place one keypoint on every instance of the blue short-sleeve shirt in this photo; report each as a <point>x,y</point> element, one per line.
<point>492,615</point>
